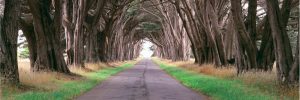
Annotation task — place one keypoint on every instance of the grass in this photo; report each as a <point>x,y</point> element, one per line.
<point>56,86</point>
<point>223,84</point>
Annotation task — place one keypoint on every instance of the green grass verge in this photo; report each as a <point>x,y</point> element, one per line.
<point>69,90</point>
<point>216,88</point>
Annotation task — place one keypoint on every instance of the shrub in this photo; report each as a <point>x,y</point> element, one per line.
<point>24,53</point>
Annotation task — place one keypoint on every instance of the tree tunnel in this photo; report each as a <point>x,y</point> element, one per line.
<point>150,26</point>
<point>249,34</point>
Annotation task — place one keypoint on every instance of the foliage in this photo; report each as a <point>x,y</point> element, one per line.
<point>133,8</point>
<point>70,89</point>
<point>293,36</point>
<point>217,88</point>
<point>24,53</point>
<point>150,27</point>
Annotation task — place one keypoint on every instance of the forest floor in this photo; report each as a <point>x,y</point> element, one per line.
<point>145,81</point>
<point>57,86</point>
<point>224,84</point>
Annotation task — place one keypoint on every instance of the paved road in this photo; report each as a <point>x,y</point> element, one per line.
<point>145,81</point>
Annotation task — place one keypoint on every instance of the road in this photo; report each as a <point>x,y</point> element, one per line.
<point>144,81</point>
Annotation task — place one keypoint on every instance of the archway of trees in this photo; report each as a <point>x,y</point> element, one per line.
<point>251,34</point>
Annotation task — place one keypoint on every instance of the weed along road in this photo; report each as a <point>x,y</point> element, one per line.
<point>145,81</point>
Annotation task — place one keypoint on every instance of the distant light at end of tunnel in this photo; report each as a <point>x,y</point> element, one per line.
<point>146,51</point>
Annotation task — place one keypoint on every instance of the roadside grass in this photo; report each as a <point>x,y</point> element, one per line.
<point>57,86</point>
<point>224,84</point>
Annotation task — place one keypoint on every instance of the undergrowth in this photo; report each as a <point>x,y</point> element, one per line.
<point>224,84</point>
<point>56,86</point>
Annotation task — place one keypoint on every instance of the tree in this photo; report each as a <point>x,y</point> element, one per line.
<point>68,24</point>
<point>26,25</point>
<point>94,33</point>
<point>8,42</point>
<point>283,51</point>
<point>79,33</point>
<point>49,53</point>
<point>246,56</point>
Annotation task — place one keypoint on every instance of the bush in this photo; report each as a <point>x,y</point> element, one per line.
<point>24,53</point>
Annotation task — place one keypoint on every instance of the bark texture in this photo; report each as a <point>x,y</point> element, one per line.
<point>49,54</point>
<point>8,42</point>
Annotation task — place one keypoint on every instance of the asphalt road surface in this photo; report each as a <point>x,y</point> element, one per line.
<point>144,81</point>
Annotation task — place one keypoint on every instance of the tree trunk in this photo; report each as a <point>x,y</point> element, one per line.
<point>294,73</point>
<point>92,47</point>
<point>266,55</point>
<point>102,43</point>
<point>79,34</point>
<point>8,42</point>
<point>215,33</point>
<point>69,27</point>
<point>283,52</point>
<point>246,56</point>
<point>251,20</point>
<point>49,55</point>
<point>28,31</point>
